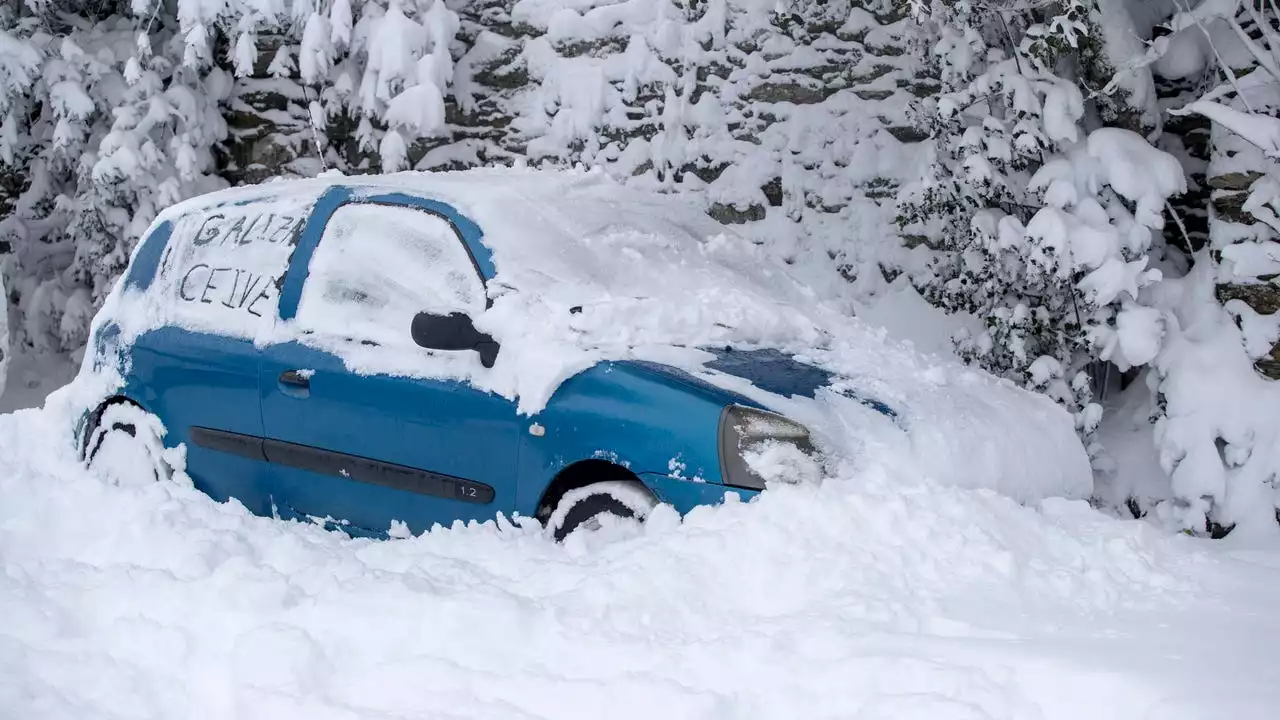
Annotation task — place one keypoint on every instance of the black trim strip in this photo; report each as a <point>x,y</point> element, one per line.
<point>376,472</point>
<point>245,446</point>
<point>352,467</point>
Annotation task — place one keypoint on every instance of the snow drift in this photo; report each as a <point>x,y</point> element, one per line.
<point>873,596</point>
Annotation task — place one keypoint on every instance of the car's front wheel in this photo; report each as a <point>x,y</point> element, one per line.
<point>600,504</point>
<point>124,446</point>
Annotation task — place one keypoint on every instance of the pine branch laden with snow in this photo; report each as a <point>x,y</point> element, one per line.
<point>107,119</point>
<point>110,130</point>
<point>1219,445</point>
<point>382,66</point>
<point>1218,409</point>
<point>1041,231</point>
<point>1068,265</point>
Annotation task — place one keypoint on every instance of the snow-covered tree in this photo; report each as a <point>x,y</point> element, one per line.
<point>1040,220</point>
<point>107,133</point>
<point>111,111</point>
<point>1218,426</point>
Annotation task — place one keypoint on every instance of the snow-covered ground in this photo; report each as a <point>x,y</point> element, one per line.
<point>870,597</point>
<point>32,376</point>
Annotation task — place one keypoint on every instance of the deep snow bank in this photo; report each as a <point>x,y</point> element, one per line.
<point>871,597</point>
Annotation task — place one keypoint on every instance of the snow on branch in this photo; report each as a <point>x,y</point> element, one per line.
<point>1259,129</point>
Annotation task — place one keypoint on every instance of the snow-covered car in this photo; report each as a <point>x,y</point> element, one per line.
<point>386,353</point>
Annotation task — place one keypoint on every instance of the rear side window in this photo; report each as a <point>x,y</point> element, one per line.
<point>377,266</point>
<point>222,267</point>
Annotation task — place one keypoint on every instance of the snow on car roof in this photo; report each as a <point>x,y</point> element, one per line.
<point>557,223</point>
<point>589,270</point>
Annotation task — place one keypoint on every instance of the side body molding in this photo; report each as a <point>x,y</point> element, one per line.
<point>351,467</point>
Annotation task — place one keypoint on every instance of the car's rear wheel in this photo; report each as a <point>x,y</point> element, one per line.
<point>124,446</point>
<point>600,504</point>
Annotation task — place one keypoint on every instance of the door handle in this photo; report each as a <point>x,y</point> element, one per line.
<point>295,380</point>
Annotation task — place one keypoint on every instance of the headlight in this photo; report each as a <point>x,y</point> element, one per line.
<point>757,447</point>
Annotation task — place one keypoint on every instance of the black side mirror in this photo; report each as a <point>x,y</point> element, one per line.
<point>454,331</point>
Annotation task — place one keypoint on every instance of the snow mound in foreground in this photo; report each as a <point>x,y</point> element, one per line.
<point>871,597</point>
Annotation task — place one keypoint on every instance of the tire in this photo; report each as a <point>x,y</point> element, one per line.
<point>584,508</point>
<point>124,446</point>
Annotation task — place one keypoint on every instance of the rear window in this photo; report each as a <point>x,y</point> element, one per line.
<point>222,267</point>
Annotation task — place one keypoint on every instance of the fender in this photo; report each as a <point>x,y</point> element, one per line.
<point>663,430</point>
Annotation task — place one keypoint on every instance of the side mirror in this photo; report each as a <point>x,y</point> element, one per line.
<point>454,331</point>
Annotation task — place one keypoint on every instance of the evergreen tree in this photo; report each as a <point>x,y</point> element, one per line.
<point>1039,228</point>
<point>110,112</point>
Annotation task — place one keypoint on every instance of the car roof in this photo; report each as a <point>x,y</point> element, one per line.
<point>539,226</point>
<point>477,193</point>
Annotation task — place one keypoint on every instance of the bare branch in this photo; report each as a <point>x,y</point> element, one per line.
<point>1181,228</point>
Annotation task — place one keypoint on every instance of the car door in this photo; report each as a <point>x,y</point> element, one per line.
<point>208,281</point>
<point>363,426</point>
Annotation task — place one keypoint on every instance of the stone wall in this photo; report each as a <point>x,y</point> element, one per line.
<point>813,134</point>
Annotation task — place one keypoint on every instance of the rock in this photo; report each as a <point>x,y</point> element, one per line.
<point>507,72</point>
<point>886,50</point>
<point>875,73</point>
<point>1263,298</point>
<point>908,133</point>
<point>920,88</point>
<point>705,170</point>
<point>1269,365</point>
<point>873,94</point>
<point>596,48</point>
<point>729,215</point>
<point>515,29</point>
<point>1230,206</point>
<point>915,241</point>
<point>1234,180</point>
<point>856,36</point>
<point>773,192</point>
<point>792,92</point>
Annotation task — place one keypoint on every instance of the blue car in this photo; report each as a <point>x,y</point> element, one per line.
<point>385,354</point>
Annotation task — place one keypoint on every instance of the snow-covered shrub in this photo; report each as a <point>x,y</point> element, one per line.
<point>1041,228</point>
<point>109,112</point>
<point>104,134</point>
<point>1218,403</point>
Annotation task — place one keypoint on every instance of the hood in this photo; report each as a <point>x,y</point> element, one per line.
<point>782,374</point>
